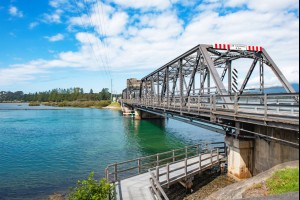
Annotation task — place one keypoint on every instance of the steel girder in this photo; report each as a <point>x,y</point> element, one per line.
<point>175,80</point>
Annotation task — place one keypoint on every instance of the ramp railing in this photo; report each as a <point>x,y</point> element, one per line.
<point>130,168</point>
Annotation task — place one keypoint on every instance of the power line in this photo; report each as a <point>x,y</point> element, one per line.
<point>105,62</point>
<point>90,43</point>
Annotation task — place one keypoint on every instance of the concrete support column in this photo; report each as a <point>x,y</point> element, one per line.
<point>137,114</point>
<point>240,157</point>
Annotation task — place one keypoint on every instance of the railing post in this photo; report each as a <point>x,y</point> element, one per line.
<point>168,174</point>
<point>211,157</point>
<point>266,105</point>
<point>236,103</point>
<point>116,172</point>
<point>225,149</point>
<point>157,159</point>
<point>186,152</point>
<point>189,103</point>
<point>139,166</point>
<point>200,162</point>
<point>185,167</point>
<point>173,155</point>
<point>157,173</point>
<point>198,104</point>
<point>218,156</point>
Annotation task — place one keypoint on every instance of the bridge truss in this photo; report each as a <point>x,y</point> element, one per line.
<point>200,84</point>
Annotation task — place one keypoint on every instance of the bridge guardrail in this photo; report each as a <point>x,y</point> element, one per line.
<point>263,105</point>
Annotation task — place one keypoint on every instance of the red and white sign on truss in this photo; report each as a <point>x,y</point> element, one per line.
<point>239,47</point>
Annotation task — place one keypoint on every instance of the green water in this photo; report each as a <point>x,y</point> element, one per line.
<point>46,151</point>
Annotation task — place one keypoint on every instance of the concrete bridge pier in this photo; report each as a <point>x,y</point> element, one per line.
<point>240,157</point>
<point>139,114</point>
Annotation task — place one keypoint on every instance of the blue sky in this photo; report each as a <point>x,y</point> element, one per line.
<point>48,44</point>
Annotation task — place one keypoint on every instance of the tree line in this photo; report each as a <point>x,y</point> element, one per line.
<point>56,95</point>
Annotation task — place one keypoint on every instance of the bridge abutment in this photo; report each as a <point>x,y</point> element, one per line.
<point>249,157</point>
<point>269,153</point>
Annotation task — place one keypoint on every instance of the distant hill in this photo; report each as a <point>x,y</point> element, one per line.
<point>276,89</point>
<point>281,89</point>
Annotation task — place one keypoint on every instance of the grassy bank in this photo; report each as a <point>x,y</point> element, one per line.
<point>283,181</point>
<point>79,104</point>
<point>115,105</point>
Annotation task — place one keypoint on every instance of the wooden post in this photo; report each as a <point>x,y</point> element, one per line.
<point>139,166</point>
<point>116,172</point>
<point>157,159</point>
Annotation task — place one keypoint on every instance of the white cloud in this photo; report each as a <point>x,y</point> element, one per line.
<point>147,40</point>
<point>54,17</point>
<point>15,73</point>
<point>32,25</point>
<point>105,19</point>
<point>265,5</point>
<point>15,12</point>
<point>58,3</point>
<point>55,38</point>
<point>144,4</point>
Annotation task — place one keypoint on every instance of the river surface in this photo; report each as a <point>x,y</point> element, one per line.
<point>45,150</point>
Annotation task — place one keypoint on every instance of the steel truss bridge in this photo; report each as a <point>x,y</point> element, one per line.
<point>200,87</point>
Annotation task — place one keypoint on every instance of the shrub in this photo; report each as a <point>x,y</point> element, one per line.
<point>91,189</point>
<point>34,104</point>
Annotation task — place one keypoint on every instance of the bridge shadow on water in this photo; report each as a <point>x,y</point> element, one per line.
<point>153,136</point>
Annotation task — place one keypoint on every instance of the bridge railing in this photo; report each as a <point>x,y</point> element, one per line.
<point>265,105</point>
<point>126,169</point>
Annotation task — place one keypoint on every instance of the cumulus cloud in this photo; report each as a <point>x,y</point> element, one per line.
<point>146,40</point>
<point>144,4</point>
<point>54,17</point>
<point>55,38</point>
<point>15,12</point>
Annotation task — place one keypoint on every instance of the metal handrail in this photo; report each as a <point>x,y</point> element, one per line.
<point>156,174</point>
<point>138,165</point>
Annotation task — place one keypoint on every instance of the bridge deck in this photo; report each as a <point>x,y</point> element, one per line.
<point>137,187</point>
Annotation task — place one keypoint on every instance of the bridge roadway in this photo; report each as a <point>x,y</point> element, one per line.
<point>139,186</point>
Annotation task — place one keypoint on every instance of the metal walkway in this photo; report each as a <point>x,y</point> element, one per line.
<point>180,165</point>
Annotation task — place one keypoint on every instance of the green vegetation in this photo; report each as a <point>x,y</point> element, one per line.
<point>34,103</point>
<point>56,95</point>
<point>283,181</point>
<point>80,104</point>
<point>115,104</point>
<point>91,189</point>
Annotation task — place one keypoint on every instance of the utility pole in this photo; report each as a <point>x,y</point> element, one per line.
<point>111,90</point>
